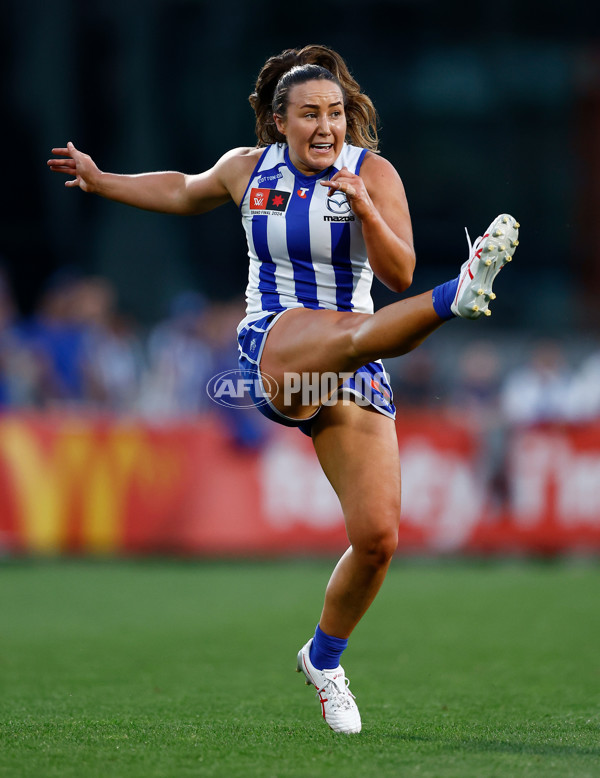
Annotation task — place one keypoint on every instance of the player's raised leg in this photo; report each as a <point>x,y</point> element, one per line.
<point>304,341</point>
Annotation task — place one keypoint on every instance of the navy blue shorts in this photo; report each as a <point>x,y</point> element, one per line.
<point>369,384</point>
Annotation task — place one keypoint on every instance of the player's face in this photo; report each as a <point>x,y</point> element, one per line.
<point>314,125</point>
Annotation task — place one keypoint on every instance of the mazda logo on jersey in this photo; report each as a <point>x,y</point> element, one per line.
<point>268,201</point>
<point>338,203</point>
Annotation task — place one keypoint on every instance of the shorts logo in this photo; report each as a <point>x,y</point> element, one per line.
<point>268,201</point>
<point>379,388</point>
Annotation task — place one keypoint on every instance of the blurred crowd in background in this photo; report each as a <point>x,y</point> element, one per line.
<point>77,351</point>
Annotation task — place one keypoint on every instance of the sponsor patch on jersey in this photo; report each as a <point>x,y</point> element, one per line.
<point>268,201</point>
<point>338,218</point>
<point>271,177</point>
<point>339,205</point>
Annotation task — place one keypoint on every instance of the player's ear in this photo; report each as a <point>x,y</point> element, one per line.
<point>279,123</point>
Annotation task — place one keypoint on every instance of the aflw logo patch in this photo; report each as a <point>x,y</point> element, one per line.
<point>268,201</point>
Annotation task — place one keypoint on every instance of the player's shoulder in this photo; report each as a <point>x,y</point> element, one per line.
<point>240,158</point>
<point>235,168</point>
<point>377,166</point>
<point>381,176</point>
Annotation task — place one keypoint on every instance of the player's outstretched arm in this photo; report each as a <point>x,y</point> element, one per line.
<point>167,192</point>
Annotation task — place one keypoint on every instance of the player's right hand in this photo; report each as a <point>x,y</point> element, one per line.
<point>73,162</point>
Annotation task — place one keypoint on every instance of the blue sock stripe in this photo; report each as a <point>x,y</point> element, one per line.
<point>443,295</point>
<point>326,650</point>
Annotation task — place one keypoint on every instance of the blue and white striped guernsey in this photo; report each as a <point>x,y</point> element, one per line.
<point>306,249</point>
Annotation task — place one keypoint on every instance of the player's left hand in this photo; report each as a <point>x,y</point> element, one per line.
<point>355,190</point>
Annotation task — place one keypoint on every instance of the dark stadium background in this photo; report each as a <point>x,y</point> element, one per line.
<point>484,107</point>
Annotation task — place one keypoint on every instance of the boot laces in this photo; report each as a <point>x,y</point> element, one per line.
<point>472,246</point>
<point>338,696</point>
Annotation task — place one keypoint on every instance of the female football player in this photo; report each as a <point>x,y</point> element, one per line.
<point>323,211</point>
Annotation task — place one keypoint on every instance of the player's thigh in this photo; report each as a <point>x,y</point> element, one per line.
<point>358,451</point>
<point>305,340</point>
<point>309,353</point>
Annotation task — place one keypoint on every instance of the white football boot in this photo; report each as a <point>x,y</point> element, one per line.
<point>337,701</point>
<point>487,257</point>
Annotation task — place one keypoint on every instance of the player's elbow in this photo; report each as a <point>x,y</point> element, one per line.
<point>400,283</point>
<point>400,277</point>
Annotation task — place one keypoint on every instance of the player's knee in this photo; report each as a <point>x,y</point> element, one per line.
<point>349,341</point>
<point>377,546</point>
<point>354,343</point>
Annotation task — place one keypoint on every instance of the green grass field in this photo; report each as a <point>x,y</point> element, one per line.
<point>186,669</point>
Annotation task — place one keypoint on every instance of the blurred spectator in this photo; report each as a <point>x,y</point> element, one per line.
<point>7,316</point>
<point>112,356</point>
<point>583,403</point>
<point>246,428</point>
<point>75,350</point>
<point>20,370</point>
<point>413,378</point>
<point>539,391</point>
<point>56,340</point>
<point>479,371</point>
<point>180,361</point>
<point>476,394</point>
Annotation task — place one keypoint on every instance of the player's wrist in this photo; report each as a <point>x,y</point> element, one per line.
<point>369,216</point>
<point>101,183</point>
